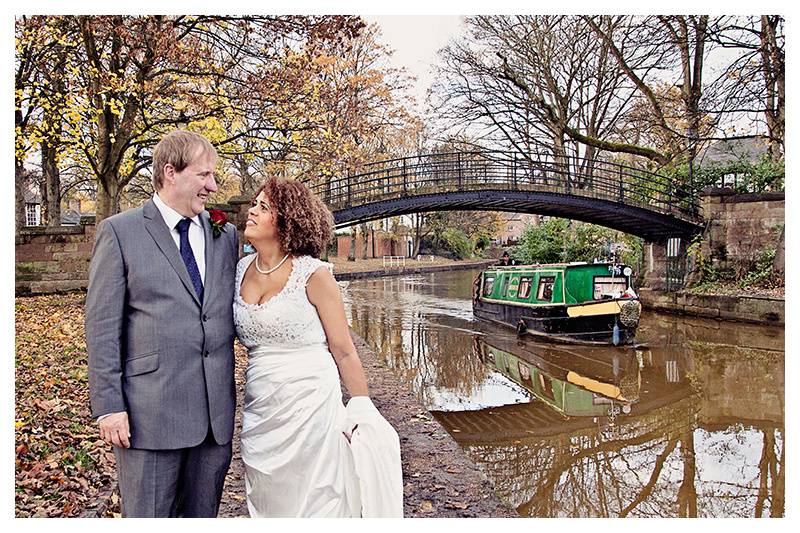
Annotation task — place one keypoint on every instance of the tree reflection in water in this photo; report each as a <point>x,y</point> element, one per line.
<point>704,432</point>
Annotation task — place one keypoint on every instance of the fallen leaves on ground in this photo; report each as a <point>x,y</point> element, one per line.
<point>62,468</point>
<point>426,507</point>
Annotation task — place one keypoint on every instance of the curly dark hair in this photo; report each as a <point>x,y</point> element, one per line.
<point>303,221</point>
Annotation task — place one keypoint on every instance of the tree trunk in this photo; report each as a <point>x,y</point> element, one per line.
<point>248,184</point>
<point>561,160</point>
<point>20,180</point>
<point>417,233</point>
<point>51,194</point>
<point>52,119</point>
<point>365,234</point>
<point>107,199</point>
<point>773,70</point>
<point>691,45</point>
<point>779,263</point>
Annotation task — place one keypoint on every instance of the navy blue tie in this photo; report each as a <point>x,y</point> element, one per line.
<point>188,257</point>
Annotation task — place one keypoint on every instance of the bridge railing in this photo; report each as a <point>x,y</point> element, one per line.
<point>494,170</point>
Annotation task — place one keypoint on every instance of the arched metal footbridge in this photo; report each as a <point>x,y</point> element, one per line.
<point>620,197</point>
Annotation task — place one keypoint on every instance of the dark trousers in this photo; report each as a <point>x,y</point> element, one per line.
<point>173,483</point>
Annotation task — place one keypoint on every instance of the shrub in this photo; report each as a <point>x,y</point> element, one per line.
<point>557,240</point>
<point>457,242</point>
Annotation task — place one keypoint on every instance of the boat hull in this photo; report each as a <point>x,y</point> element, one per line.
<point>591,323</point>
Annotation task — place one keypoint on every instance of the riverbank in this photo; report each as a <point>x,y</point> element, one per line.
<point>756,309</point>
<point>438,478</point>
<point>345,270</point>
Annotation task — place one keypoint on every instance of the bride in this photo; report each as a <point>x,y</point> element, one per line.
<point>305,454</point>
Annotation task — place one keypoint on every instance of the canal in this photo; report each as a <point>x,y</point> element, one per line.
<point>692,424</point>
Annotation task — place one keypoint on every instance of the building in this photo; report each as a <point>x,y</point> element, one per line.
<point>514,224</point>
<point>731,151</point>
<point>71,210</point>
<point>33,208</point>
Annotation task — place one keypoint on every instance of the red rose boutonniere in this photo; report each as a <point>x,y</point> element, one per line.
<point>218,221</point>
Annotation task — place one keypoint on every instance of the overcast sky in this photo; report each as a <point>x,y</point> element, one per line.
<point>415,41</point>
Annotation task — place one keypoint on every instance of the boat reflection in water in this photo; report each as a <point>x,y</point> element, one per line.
<point>691,426</point>
<point>574,382</point>
<point>612,432</point>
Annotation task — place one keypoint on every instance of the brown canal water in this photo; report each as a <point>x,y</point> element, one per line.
<point>691,425</point>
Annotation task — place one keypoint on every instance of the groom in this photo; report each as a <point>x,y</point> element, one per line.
<point>159,333</point>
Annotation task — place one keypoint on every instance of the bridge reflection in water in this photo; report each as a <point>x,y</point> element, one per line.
<point>692,426</point>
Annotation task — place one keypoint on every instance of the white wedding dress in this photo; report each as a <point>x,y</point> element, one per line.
<point>297,461</point>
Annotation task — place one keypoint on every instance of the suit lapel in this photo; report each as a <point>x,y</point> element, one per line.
<point>158,229</point>
<point>211,267</point>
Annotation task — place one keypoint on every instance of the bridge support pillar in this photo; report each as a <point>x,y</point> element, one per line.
<point>665,264</point>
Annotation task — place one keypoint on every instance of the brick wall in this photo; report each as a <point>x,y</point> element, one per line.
<point>383,245</point>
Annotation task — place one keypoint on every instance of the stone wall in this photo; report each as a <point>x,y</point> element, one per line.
<point>655,264</point>
<point>236,210</point>
<point>755,309</point>
<point>50,260</point>
<point>53,259</point>
<point>738,228</point>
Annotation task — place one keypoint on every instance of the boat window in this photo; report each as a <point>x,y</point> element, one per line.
<point>524,287</point>
<point>607,287</point>
<point>545,290</point>
<point>504,286</point>
<point>488,285</point>
<point>524,373</point>
<point>546,386</point>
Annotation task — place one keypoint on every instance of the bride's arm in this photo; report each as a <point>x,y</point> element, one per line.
<point>324,294</point>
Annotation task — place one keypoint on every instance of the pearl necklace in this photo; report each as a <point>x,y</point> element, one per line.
<point>273,269</point>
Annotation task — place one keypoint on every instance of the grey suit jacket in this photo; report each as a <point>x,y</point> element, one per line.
<point>154,349</point>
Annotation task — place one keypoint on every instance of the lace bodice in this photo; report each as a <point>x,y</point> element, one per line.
<point>287,319</point>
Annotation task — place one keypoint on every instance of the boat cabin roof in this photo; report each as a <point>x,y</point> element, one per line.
<point>552,265</point>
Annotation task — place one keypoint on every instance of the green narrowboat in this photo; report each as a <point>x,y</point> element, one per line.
<point>581,303</point>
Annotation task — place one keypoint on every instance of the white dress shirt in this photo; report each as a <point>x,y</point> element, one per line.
<point>196,236</point>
